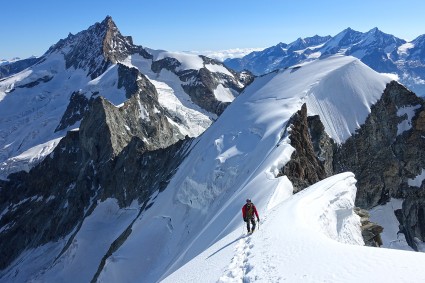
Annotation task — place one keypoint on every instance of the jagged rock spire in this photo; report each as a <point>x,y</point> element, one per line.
<point>96,48</point>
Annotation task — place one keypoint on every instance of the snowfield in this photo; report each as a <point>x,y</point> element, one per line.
<point>193,231</point>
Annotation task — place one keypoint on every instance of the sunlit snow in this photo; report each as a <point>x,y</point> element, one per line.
<point>193,230</point>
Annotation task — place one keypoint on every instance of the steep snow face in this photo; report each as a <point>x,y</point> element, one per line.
<point>340,89</point>
<point>344,97</point>
<point>385,216</point>
<point>236,158</point>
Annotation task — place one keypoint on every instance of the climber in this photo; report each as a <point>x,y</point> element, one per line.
<point>248,211</point>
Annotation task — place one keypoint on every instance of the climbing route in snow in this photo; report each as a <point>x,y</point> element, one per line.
<point>239,267</point>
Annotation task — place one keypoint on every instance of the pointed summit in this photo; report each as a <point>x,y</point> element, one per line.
<point>96,48</point>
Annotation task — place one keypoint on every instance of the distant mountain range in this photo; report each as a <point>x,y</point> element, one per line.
<point>382,52</point>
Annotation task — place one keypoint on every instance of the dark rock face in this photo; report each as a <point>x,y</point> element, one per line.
<point>312,162</point>
<point>137,118</point>
<point>412,216</point>
<point>304,168</point>
<point>371,232</point>
<point>46,203</point>
<point>77,107</point>
<point>168,63</point>
<point>202,93</point>
<point>126,153</point>
<point>323,145</point>
<point>387,151</point>
<point>384,154</point>
<point>97,48</point>
<point>87,165</point>
<point>44,79</point>
<point>381,158</point>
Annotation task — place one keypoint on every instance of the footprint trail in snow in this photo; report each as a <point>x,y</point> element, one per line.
<point>239,266</point>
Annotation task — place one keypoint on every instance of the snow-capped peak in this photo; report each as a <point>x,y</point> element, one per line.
<point>94,49</point>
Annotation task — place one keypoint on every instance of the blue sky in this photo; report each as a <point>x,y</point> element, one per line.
<point>29,27</point>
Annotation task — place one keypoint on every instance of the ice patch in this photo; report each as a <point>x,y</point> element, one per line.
<point>417,181</point>
<point>223,94</point>
<point>406,124</point>
<point>218,69</point>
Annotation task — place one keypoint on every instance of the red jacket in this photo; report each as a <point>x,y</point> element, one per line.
<point>245,210</point>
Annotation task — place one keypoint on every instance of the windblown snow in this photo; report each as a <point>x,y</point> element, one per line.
<point>193,231</point>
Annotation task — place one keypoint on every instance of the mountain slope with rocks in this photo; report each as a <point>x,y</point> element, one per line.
<point>191,91</point>
<point>101,109</point>
<point>128,189</point>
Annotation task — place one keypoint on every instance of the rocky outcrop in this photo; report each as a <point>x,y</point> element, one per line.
<point>412,216</point>
<point>43,79</point>
<point>323,145</point>
<point>126,153</point>
<point>312,162</point>
<point>113,155</point>
<point>381,153</point>
<point>167,63</point>
<point>386,153</point>
<point>304,168</point>
<point>77,107</point>
<point>371,231</point>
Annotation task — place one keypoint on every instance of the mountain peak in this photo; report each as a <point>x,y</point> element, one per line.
<point>95,48</point>
<point>108,19</point>
<point>376,31</point>
<point>109,25</point>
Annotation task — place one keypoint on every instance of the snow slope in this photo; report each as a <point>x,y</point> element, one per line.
<point>296,243</point>
<point>192,231</point>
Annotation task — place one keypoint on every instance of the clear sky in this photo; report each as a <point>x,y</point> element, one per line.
<point>29,27</point>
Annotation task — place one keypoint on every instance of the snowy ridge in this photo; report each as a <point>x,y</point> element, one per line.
<point>193,231</point>
<point>235,158</point>
<point>299,230</point>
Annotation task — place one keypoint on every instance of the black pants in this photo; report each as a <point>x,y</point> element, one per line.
<point>252,220</point>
